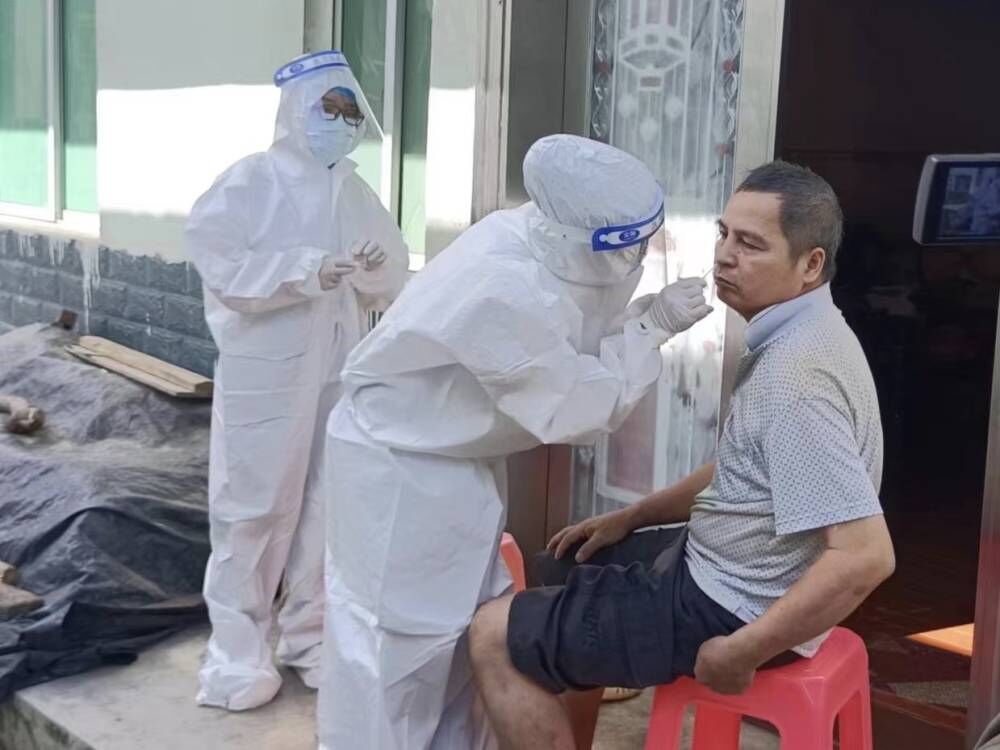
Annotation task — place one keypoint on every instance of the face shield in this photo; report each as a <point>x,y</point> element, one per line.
<point>619,241</point>
<point>323,114</point>
<point>597,208</point>
<point>333,124</point>
<point>603,255</point>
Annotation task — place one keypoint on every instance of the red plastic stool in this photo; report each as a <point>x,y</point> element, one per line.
<point>515,561</point>
<point>802,700</point>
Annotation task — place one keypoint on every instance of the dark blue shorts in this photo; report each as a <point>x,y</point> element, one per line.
<point>631,616</point>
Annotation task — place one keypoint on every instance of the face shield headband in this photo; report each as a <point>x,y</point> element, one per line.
<point>309,64</point>
<point>616,237</point>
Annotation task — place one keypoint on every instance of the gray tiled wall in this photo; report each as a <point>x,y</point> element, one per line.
<point>139,301</point>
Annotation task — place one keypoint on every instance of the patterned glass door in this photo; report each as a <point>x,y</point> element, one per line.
<point>664,83</point>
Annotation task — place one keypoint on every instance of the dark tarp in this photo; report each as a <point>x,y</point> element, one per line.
<point>103,512</point>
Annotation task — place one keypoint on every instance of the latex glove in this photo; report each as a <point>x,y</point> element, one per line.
<point>677,307</point>
<point>332,272</point>
<point>369,254</point>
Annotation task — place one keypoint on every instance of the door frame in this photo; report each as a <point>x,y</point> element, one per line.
<point>984,698</point>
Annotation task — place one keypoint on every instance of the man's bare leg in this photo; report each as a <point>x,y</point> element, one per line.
<point>524,715</point>
<point>582,708</point>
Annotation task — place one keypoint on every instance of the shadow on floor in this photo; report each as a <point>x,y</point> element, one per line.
<point>622,726</point>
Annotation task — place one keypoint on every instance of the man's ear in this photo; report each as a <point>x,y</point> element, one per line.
<point>815,262</point>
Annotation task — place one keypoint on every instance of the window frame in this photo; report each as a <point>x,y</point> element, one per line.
<point>390,186</point>
<point>54,211</point>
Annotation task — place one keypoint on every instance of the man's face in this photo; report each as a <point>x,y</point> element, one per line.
<point>754,268</point>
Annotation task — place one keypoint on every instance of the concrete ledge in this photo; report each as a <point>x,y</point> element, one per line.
<point>150,705</point>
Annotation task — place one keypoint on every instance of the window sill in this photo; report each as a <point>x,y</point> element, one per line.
<point>73,225</point>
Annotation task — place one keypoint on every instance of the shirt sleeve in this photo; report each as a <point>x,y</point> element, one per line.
<point>817,474</point>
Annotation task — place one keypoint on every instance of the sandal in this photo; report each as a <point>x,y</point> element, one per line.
<point>613,694</point>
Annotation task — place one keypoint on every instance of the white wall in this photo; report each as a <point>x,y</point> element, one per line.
<point>184,90</point>
<point>456,53</point>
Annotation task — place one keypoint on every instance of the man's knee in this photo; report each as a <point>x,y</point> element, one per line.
<point>488,632</point>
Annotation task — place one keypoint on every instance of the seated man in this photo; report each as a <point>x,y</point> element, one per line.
<point>785,535</point>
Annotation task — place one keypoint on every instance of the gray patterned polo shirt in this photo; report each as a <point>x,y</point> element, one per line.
<point>801,450</point>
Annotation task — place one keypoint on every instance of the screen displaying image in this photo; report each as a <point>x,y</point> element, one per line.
<point>971,206</point>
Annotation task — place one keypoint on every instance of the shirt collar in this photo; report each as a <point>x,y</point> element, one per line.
<point>766,325</point>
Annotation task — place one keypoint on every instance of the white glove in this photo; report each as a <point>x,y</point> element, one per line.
<point>677,307</point>
<point>332,271</point>
<point>370,254</point>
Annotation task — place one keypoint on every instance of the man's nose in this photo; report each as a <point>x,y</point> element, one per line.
<point>725,253</point>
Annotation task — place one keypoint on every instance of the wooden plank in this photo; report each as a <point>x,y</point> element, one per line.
<point>957,640</point>
<point>15,601</point>
<point>140,376</point>
<point>188,380</point>
<point>140,360</point>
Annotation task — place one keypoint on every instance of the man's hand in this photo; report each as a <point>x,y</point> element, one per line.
<point>598,532</point>
<point>723,666</point>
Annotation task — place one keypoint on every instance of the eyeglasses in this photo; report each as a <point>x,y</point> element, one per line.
<point>335,106</point>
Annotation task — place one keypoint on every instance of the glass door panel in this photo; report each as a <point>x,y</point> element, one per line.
<point>363,25</point>
<point>664,81</point>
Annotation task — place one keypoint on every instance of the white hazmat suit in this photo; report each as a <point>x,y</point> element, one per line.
<point>260,237</point>
<point>512,337</point>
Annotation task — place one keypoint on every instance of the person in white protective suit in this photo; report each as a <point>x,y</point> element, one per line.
<point>292,248</point>
<point>515,335</point>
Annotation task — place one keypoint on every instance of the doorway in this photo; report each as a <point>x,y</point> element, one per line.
<point>867,91</point>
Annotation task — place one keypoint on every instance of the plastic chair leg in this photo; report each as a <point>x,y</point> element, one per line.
<point>856,722</point>
<point>806,737</point>
<point>666,721</point>
<point>514,560</point>
<point>715,729</point>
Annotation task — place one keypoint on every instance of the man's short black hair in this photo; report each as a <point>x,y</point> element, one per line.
<point>810,212</point>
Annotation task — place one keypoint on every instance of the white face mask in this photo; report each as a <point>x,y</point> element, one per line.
<point>329,140</point>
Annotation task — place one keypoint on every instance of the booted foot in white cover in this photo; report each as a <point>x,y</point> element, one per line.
<point>236,688</point>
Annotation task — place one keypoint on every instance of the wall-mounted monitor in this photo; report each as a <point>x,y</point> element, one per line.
<point>958,201</point>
